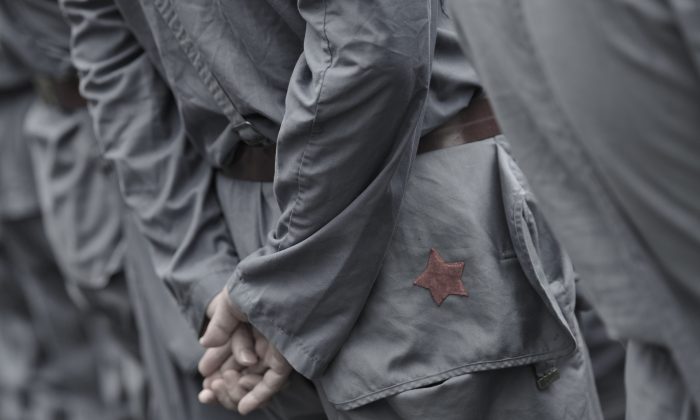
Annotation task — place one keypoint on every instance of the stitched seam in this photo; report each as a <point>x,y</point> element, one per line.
<point>313,125</point>
<point>464,369</point>
<point>206,76</point>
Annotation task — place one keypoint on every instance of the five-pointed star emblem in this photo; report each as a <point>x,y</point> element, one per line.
<point>442,278</point>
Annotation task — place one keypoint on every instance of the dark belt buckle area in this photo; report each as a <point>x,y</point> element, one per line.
<point>252,163</point>
<point>474,123</point>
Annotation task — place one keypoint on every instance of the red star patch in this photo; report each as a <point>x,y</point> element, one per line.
<point>442,278</point>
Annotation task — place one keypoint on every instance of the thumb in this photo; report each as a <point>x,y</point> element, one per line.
<point>221,326</point>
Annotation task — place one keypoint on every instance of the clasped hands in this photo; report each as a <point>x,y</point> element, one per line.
<point>242,370</point>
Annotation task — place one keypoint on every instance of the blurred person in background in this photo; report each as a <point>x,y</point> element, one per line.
<point>19,344</point>
<point>80,207</point>
<point>47,366</point>
<point>605,99</point>
<point>97,246</point>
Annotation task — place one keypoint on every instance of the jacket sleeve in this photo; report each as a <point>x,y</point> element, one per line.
<point>164,181</point>
<point>353,116</point>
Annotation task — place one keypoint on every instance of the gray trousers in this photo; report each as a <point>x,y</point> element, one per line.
<point>19,344</point>
<point>603,96</point>
<point>45,359</point>
<point>454,197</point>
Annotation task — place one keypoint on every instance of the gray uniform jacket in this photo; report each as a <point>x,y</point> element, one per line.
<point>314,77</point>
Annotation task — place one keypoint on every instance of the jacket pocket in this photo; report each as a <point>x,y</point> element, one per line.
<point>465,203</point>
<point>543,260</point>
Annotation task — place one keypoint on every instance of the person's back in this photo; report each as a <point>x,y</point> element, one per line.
<point>79,203</point>
<point>42,377</point>
<point>343,96</point>
<point>605,96</point>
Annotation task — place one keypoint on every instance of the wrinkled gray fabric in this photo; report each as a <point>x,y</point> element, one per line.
<point>19,346</point>
<point>502,394</point>
<point>61,377</point>
<point>655,386</point>
<point>314,77</point>
<point>403,344</point>
<point>608,360</point>
<point>17,193</point>
<point>80,205</point>
<point>162,177</point>
<point>31,266</point>
<point>38,35</point>
<point>85,214</point>
<point>604,98</point>
<point>13,73</point>
<point>67,367</point>
<point>80,198</point>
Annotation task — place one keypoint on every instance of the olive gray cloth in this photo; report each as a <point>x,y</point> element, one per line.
<point>655,387</point>
<point>79,200</point>
<point>18,340</point>
<point>66,366</point>
<point>82,212</point>
<point>18,196</point>
<point>38,36</point>
<point>313,77</point>
<point>56,364</point>
<point>79,195</point>
<point>19,346</point>
<point>470,358</point>
<point>80,205</point>
<point>604,96</point>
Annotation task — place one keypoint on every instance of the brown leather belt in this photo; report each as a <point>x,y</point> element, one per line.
<point>61,93</point>
<point>472,124</point>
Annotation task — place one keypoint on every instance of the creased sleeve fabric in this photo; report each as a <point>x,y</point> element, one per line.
<point>164,181</point>
<point>353,116</point>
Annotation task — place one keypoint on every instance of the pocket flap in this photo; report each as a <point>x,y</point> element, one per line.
<point>403,340</point>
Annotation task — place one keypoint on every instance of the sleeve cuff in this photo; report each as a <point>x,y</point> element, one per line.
<point>250,301</point>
